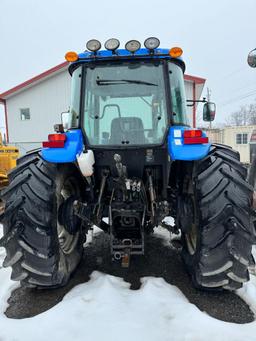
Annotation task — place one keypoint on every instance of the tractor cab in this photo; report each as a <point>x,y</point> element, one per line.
<point>127,98</point>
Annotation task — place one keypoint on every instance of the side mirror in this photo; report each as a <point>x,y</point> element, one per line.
<point>209,111</point>
<point>251,59</point>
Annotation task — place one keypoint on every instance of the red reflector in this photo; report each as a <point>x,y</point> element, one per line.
<point>196,140</point>
<point>53,144</point>
<point>57,137</point>
<point>192,133</point>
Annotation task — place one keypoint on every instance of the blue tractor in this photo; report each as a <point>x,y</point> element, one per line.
<point>124,160</point>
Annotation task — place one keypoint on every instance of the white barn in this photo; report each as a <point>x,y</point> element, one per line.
<point>33,107</point>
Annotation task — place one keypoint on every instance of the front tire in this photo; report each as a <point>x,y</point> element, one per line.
<point>216,220</point>
<point>41,252</point>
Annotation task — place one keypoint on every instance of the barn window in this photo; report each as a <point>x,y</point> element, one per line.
<point>241,138</point>
<point>24,114</point>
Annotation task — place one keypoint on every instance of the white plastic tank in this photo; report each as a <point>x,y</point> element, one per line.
<point>86,161</point>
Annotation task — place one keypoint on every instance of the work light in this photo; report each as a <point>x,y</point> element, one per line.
<point>132,45</point>
<point>151,43</point>
<point>93,45</point>
<point>112,44</point>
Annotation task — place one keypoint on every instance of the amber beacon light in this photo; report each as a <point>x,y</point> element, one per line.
<point>71,56</point>
<point>175,52</point>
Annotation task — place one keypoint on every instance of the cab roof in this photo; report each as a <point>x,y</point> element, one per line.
<point>123,54</point>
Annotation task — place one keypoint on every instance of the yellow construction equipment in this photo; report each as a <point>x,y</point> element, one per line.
<point>8,157</point>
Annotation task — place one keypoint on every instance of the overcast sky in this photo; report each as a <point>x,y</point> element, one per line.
<point>215,36</point>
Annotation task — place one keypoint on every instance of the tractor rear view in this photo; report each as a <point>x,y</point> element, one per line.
<point>127,160</point>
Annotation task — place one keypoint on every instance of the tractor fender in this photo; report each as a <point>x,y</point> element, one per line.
<point>73,147</point>
<point>180,151</point>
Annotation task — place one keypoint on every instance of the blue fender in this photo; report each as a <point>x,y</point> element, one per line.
<point>73,146</point>
<point>176,147</point>
<point>186,152</point>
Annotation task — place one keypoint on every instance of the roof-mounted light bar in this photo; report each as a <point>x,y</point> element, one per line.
<point>93,45</point>
<point>132,46</point>
<point>112,44</point>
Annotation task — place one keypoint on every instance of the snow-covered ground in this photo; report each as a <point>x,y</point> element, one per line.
<point>106,309</point>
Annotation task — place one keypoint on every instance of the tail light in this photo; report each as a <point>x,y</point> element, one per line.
<point>55,141</point>
<point>194,137</point>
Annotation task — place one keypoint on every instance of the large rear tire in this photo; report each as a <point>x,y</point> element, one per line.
<point>41,252</point>
<point>216,219</point>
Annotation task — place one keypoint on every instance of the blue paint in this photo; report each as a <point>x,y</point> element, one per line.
<point>73,146</point>
<point>186,152</point>
<point>124,53</point>
<point>141,53</point>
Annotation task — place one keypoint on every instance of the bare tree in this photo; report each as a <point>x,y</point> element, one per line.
<point>252,113</point>
<point>246,115</point>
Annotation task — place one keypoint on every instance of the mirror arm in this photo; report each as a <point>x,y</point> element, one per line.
<point>194,101</point>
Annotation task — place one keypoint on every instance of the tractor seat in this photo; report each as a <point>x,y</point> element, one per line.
<point>127,129</point>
